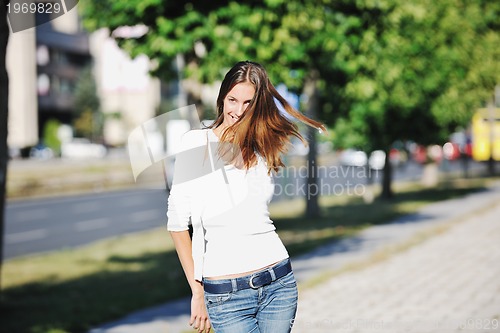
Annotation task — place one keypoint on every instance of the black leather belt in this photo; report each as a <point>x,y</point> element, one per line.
<point>254,281</point>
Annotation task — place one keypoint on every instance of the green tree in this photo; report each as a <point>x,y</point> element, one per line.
<point>288,37</point>
<point>50,135</point>
<point>377,70</point>
<point>89,120</point>
<point>419,70</point>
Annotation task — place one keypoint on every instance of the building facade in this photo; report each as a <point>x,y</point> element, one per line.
<point>44,65</point>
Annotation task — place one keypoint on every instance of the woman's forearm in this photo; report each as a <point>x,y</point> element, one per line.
<point>183,246</point>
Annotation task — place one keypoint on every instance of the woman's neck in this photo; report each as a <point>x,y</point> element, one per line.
<point>219,130</point>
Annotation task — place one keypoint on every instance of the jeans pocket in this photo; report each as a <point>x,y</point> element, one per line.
<point>212,300</point>
<point>288,281</point>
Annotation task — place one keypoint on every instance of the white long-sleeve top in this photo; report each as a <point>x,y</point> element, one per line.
<point>228,208</point>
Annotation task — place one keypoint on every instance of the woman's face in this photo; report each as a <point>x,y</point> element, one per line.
<point>236,102</point>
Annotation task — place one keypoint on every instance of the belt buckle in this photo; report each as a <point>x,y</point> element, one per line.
<point>253,276</point>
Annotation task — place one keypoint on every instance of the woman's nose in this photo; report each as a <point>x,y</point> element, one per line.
<point>240,109</point>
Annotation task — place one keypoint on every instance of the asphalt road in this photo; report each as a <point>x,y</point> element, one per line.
<point>41,225</point>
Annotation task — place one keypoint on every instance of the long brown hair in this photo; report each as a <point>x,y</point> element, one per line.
<point>262,129</point>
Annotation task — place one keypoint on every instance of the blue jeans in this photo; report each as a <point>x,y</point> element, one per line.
<point>267,309</point>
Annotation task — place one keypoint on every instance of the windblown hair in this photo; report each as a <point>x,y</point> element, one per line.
<point>262,129</point>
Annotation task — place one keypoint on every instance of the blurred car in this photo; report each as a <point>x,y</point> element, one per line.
<point>41,152</point>
<point>377,160</point>
<point>82,148</point>
<point>418,153</point>
<point>353,157</point>
<point>397,157</point>
<point>435,153</point>
<point>451,151</point>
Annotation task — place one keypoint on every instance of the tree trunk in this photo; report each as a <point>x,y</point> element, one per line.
<point>4,105</point>
<point>313,188</point>
<point>491,165</point>
<point>387,177</point>
<point>491,121</point>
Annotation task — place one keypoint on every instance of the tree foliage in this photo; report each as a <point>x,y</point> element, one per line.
<point>211,36</point>
<point>88,122</point>
<point>286,36</point>
<point>86,98</point>
<point>383,70</point>
<point>420,69</point>
<point>417,70</point>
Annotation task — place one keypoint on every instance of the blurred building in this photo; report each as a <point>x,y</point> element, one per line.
<point>44,64</point>
<point>23,102</point>
<point>62,52</point>
<point>128,94</point>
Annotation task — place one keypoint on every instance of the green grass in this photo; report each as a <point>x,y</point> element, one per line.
<point>72,290</point>
<point>55,178</point>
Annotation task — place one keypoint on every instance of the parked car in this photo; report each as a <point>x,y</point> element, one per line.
<point>396,157</point>
<point>41,152</point>
<point>377,160</point>
<point>353,157</point>
<point>451,151</point>
<point>82,148</point>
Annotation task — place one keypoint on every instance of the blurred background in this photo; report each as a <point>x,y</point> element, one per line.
<point>409,92</point>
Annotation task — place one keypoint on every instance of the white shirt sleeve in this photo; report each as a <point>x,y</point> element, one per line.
<point>179,200</point>
<point>179,209</point>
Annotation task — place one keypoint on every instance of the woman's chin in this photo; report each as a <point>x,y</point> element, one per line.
<point>229,122</point>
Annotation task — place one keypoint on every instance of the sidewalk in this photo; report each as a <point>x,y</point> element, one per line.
<point>434,271</point>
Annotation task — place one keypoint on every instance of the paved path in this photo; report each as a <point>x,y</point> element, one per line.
<point>449,280</point>
<point>449,283</point>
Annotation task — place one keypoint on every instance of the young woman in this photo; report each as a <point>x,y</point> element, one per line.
<point>235,263</point>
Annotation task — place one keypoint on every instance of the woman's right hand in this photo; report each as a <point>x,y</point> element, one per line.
<point>199,316</point>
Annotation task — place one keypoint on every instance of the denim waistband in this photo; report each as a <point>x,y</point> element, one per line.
<point>254,280</point>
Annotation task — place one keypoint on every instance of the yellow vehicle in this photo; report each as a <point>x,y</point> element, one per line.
<point>486,134</point>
